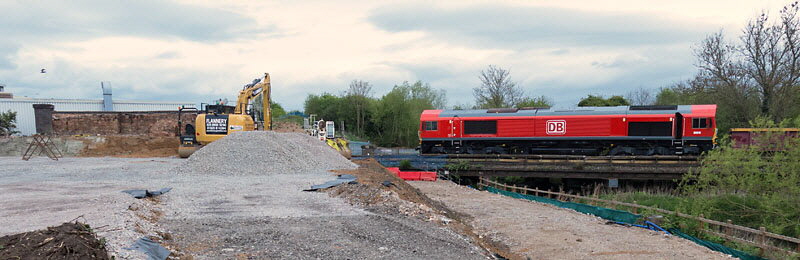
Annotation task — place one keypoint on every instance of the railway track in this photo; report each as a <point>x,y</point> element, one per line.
<point>512,158</point>
<point>552,166</point>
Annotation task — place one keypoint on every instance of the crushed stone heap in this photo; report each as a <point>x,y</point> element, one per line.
<point>264,153</point>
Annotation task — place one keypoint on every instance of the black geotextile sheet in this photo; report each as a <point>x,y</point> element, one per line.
<point>342,179</point>
<point>153,250</point>
<point>140,194</point>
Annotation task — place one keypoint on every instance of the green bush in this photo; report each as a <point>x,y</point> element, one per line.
<point>755,186</point>
<point>405,165</point>
<point>460,165</point>
<point>8,123</point>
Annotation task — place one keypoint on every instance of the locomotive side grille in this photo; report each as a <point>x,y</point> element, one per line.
<point>480,127</point>
<point>650,129</point>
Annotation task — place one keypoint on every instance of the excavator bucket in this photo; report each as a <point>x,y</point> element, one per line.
<point>341,145</point>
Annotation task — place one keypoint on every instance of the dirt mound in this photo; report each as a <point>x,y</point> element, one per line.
<point>131,146</point>
<point>402,198</point>
<point>265,153</point>
<point>371,173</point>
<point>68,241</point>
<point>287,127</point>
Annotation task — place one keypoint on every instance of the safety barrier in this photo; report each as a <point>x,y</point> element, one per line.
<point>413,175</point>
<point>767,242</point>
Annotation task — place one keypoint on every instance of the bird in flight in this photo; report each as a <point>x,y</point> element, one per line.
<point>44,71</point>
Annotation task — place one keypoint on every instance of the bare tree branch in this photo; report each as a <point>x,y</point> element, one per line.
<point>497,89</point>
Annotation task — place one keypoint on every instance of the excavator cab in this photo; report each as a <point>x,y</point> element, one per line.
<point>188,141</point>
<point>219,109</point>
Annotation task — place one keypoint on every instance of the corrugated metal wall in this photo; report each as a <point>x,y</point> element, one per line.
<point>26,123</point>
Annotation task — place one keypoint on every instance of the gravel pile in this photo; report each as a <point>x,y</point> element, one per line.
<point>264,153</point>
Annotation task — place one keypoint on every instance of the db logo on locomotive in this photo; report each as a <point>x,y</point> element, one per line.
<point>556,127</point>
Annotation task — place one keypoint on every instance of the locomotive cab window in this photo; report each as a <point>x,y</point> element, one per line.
<point>702,122</point>
<point>431,125</point>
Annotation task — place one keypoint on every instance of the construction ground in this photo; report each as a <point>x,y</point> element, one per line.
<point>242,198</point>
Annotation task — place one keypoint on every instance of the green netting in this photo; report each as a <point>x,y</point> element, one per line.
<point>606,213</point>
<point>623,216</point>
<point>715,246</point>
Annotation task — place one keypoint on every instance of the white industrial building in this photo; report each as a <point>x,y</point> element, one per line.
<point>26,123</point>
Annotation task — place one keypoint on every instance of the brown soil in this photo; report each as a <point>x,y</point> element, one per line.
<point>68,241</point>
<point>132,146</point>
<point>287,127</point>
<point>371,193</point>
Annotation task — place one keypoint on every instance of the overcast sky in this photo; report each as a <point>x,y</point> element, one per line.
<point>198,51</point>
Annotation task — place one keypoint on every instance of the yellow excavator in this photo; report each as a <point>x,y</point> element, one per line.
<point>251,112</point>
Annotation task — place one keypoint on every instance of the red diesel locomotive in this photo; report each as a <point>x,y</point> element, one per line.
<point>621,130</point>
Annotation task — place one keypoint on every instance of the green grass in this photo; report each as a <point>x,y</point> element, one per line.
<point>662,201</point>
<point>749,211</point>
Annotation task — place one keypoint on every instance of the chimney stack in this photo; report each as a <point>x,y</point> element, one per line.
<point>108,103</point>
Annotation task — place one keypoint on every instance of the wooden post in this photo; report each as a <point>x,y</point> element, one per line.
<point>798,248</point>
<point>761,240</point>
<point>635,209</point>
<point>536,193</point>
<point>548,193</point>
<point>702,225</point>
<point>728,230</point>
<point>525,190</point>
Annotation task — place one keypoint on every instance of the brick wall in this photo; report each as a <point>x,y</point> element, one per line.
<point>156,123</point>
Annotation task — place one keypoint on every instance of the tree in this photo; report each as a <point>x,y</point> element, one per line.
<point>325,106</point>
<point>540,101</point>
<point>462,107</point>
<point>671,96</point>
<point>764,65</point>
<point>397,113</point>
<point>358,96</point>
<point>599,101</point>
<point>277,110</point>
<point>497,90</point>
<point>617,101</point>
<point>8,123</point>
<point>640,97</point>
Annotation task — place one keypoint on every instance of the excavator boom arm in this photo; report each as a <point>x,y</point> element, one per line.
<point>263,88</point>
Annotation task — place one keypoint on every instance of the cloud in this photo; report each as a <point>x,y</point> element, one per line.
<point>559,52</point>
<point>623,61</point>
<point>527,27</point>
<point>168,55</point>
<point>426,72</point>
<point>148,18</point>
<point>648,68</point>
<point>7,53</point>
<point>70,80</point>
<point>155,50</point>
